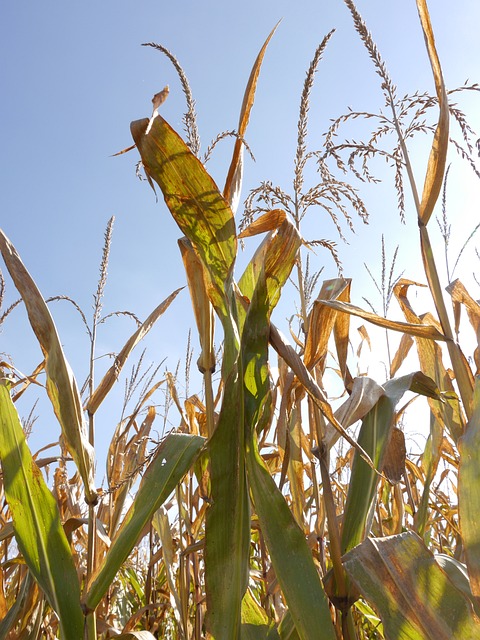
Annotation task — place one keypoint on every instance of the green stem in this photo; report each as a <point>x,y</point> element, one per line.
<point>209,402</point>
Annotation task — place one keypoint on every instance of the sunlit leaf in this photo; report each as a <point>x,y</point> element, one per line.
<point>461,298</point>
<point>172,460</point>
<point>36,522</point>
<point>255,622</point>
<point>61,385</point>
<point>431,363</point>
<point>193,199</point>
<point>413,596</point>
<point>322,320</point>
<point>420,330</point>
<point>233,183</point>
<point>374,437</point>
<point>202,307</point>
<point>438,153</point>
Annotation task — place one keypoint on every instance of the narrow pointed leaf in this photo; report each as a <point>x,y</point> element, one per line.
<point>193,199</point>
<point>112,374</point>
<point>233,183</point>
<point>36,522</point>
<point>413,596</point>
<point>172,460</point>
<point>438,153</point>
<point>61,385</point>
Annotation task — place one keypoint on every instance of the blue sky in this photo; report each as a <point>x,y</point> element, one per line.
<point>75,74</point>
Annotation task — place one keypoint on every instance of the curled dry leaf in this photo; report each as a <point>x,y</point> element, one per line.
<point>438,154</point>
<point>395,455</point>
<point>266,222</point>
<point>421,330</point>
<point>363,397</point>
<point>157,100</point>
<point>460,296</point>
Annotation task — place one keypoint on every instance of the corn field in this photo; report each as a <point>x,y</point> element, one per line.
<point>285,504</point>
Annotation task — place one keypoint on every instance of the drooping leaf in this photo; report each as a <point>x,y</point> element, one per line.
<point>364,395</point>
<point>461,298</point>
<point>172,460</point>
<point>61,385</point>
<point>421,330</point>
<point>413,596</point>
<point>36,522</point>
<point>322,319</point>
<point>295,362</point>
<point>430,357</point>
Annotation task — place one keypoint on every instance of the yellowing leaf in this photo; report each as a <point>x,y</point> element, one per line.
<point>194,201</point>
<point>413,596</point>
<point>61,385</point>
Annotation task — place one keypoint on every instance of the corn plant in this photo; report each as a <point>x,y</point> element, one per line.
<point>264,514</point>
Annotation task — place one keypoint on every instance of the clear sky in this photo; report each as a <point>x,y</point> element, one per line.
<point>73,76</point>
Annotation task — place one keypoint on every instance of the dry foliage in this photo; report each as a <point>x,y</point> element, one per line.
<point>288,501</point>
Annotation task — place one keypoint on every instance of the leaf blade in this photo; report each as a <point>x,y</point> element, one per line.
<point>36,521</point>
<point>173,458</point>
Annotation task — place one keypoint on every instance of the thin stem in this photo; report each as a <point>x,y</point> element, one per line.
<point>209,402</point>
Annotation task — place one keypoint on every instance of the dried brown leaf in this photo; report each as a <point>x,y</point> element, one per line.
<point>438,153</point>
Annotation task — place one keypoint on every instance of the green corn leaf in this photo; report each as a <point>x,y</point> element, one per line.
<point>227,527</point>
<point>193,199</point>
<point>413,596</point>
<point>172,460</point>
<point>61,385</point>
<point>291,557</point>
<point>255,622</point>
<point>373,438</point>
<point>469,491</point>
<point>36,522</point>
